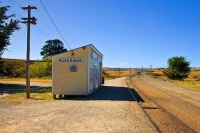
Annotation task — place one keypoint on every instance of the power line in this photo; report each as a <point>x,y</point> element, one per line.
<point>43,14</point>
<point>51,29</point>
<point>40,30</point>
<point>54,24</point>
<point>29,3</point>
<point>13,2</point>
<point>36,28</point>
<point>48,18</point>
<point>68,36</point>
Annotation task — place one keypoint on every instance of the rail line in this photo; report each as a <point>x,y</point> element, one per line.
<point>154,125</point>
<point>139,91</point>
<point>178,98</point>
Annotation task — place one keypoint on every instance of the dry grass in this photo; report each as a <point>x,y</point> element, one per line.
<point>43,93</point>
<point>42,80</point>
<point>157,72</point>
<point>194,74</point>
<point>112,74</point>
<point>192,82</point>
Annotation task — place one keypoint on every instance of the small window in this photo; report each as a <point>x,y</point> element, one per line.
<point>73,69</point>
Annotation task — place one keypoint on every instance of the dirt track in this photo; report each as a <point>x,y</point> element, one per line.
<point>109,109</point>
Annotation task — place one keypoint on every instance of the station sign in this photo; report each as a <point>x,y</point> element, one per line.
<point>71,60</point>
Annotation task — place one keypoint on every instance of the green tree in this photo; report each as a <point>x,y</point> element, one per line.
<point>52,47</point>
<point>41,69</point>
<point>7,27</point>
<point>12,68</point>
<point>178,68</point>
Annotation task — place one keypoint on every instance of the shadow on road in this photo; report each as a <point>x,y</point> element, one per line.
<point>109,93</point>
<point>11,89</point>
<point>103,93</point>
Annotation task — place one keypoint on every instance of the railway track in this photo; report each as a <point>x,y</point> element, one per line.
<point>178,98</point>
<point>136,99</point>
<point>161,119</point>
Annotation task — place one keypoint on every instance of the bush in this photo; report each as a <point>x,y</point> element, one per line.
<point>17,68</point>
<point>178,68</point>
<point>12,68</point>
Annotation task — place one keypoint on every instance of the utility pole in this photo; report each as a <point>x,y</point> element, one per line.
<point>142,70</point>
<point>150,68</point>
<point>28,21</point>
<point>119,72</point>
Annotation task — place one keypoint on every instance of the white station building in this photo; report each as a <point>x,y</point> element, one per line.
<point>77,72</point>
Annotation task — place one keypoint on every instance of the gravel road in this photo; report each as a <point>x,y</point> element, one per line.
<point>110,109</point>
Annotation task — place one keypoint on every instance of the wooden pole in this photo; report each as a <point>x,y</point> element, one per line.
<point>28,22</point>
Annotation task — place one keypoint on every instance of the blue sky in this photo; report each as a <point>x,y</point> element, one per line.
<point>129,33</point>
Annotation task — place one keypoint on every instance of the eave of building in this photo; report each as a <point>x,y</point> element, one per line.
<point>76,49</point>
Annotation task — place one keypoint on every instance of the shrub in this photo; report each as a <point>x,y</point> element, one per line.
<point>178,68</point>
